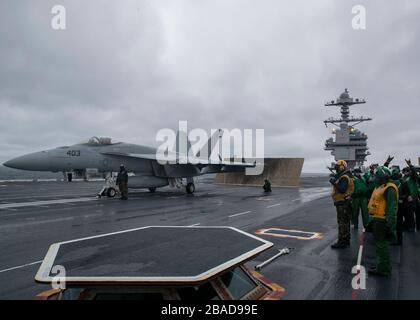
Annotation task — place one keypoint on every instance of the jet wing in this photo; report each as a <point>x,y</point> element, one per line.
<point>174,159</point>
<point>171,158</point>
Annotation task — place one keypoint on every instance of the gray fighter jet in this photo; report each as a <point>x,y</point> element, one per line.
<point>105,156</point>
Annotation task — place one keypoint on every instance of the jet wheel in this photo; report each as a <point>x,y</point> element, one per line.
<point>152,189</point>
<point>111,192</point>
<point>190,188</point>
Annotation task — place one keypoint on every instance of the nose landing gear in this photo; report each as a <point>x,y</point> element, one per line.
<point>111,192</point>
<point>110,188</point>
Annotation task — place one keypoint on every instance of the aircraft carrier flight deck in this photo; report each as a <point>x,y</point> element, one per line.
<point>33,215</point>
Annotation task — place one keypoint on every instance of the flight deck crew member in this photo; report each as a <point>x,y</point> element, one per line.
<point>342,191</point>
<point>396,178</point>
<point>370,179</point>
<point>417,211</point>
<point>411,188</point>
<point>359,199</point>
<point>267,186</point>
<point>122,182</point>
<point>383,209</point>
<point>388,161</point>
<point>403,197</point>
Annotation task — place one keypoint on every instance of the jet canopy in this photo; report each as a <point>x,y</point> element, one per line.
<point>98,141</point>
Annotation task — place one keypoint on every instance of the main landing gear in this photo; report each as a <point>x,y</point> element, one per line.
<point>190,188</point>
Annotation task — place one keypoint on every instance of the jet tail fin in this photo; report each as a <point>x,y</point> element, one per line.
<point>210,145</point>
<point>182,140</point>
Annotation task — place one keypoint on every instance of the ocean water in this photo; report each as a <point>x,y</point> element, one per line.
<point>13,174</point>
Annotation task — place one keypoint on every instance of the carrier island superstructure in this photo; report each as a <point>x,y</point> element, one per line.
<point>350,144</point>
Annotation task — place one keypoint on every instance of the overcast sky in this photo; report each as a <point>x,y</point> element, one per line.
<point>129,68</point>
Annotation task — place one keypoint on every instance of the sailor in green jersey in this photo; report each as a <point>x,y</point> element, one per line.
<point>388,161</point>
<point>404,194</point>
<point>383,209</point>
<point>369,177</point>
<point>411,189</point>
<point>418,204</point>
<point>396,178</point>
<point>359,199</point>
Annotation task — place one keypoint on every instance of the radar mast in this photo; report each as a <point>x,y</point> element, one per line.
<point>350,144</point>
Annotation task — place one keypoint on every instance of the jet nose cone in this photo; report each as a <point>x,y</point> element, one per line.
<point>38,161</point>
<point>18,163</point>
<point>8,164</point>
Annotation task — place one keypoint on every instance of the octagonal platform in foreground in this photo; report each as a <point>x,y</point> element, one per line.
<point>151,255</point>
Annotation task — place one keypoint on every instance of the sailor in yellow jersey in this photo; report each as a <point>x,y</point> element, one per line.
<point>343,188</point>
<point>383,206</point>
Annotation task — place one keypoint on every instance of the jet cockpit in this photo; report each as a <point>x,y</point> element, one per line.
<point>98,141</point>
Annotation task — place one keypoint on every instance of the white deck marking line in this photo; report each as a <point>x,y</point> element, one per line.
<point>313,235</point>
<point>22,266</point>
<point>274,205</point>
<point>43,202</point>
<point>194,225</point>
<point>31,222</point>
<point>93,215</point>
<point>239,214</point>
<point>359,257</point>
<point>359,261</point>
<point>49,197</point>
<point>264,199</point>
<point>360,254</point>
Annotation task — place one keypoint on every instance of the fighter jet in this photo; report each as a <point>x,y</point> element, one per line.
<point>105,156</point>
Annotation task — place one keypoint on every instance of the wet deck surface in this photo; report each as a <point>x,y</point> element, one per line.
<point>35,215</point>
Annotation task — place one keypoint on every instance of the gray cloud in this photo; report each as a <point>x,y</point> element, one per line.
<point>128,69</point>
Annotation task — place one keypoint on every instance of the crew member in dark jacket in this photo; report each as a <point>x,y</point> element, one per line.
<point>267,186</point>
<point>122,182</point>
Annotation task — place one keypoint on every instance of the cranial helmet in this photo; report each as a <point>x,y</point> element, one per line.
<point>383,173</point>
<point>340,165</point>
<point>357,170</point>
<point>395,172</point>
